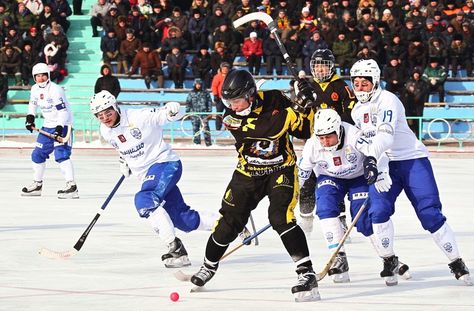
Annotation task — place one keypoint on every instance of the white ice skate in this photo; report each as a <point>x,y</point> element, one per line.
<point>33,190</point>
<point>69,192</point>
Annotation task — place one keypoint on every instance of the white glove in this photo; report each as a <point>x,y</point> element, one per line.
<point>384,182</point>
<point>124,169</point>
<point>172,109</point>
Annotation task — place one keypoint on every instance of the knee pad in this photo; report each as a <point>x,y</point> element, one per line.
<point>39,156</point>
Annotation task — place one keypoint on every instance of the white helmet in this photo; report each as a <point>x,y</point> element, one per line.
<point>41,68</point>
<point>366,68</point>
<point>327,121</point>
<point>103,100</point>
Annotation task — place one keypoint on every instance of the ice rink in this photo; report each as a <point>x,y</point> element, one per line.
<point>119,267</point>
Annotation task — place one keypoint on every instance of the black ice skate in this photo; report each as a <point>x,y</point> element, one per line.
<point>307,287</point>
<point>33,190</point>
<point>403,270</point>
<point>177,256</point>
<point>390,270</point>
<point>340,269</point>
<point>460,271</point>
<point>69,192</point>
<point>205,273</point>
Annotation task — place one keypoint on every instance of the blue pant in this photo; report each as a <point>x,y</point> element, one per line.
<point>417,179</point>
<point>160,185</point>
<point>45,146</point>
<point>330,192</point>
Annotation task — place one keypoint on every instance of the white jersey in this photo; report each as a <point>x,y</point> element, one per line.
<point>385,129</point>
<point>139,139</point>
<point>344,163</point>
<point>52,102</point>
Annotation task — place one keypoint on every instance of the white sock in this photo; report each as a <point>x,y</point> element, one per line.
<point>161,222</point>
<point>383,238</point>
<point>207,220</point>
<point>333,232</point>
<point>38,171</point>
<point>67,170</point>
<point>446,241</point>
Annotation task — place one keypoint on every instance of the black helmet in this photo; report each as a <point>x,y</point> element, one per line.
<point>322,57</point>
<point>238,83</point>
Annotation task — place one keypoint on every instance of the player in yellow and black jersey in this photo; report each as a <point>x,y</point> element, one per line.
<point>262,123</point>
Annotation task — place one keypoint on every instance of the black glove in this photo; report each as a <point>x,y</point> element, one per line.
<point>305,95</point>
<point>30,122</point>
<point>58,131</point>
<point>370,170</point>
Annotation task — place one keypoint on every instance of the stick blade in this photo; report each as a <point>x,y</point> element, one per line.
<point>260,16</point>
<point>181,276</point>
<point>45,252</point>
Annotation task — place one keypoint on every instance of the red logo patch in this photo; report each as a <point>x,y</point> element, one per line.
<point>334,96</point>
<point>122,138</point>
<point>41,96</point>
<point>275,112</point>
<point>337,161</point>
<point>366,118</point>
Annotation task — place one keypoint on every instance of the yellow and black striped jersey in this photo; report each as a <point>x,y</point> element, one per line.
<point>263,137</point>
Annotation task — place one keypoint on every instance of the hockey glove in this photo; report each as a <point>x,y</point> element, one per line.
<point>305,95</point>
<point>124,169</point>
<point>58,132</point>
<point>172,109</point>
<point>384,182</point>
<point>370,170</point>
<point>30,122</point>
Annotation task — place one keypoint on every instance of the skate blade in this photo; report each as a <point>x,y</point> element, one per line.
<point>391,280</point>
<point>341,278</point>
<point>466,278</point>
<point>180,262</point>
<point>310,295</point>
<point>31,194</point>
<point>74,195</point>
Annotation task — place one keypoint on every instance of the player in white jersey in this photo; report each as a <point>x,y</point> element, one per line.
<point>137,135</point>
<point>381,117</point>
<point>51,100</point>
<point>332,155</point>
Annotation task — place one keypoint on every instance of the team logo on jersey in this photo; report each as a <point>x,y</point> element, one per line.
<point>385,242</point>
<point>351,156</point>
<point>41,96</point>
<point>366,118</point>
<point>334,96</point>
<point>265,148</point>
<point>114,144</point>
<point>373,118</point>
<point>136,133</point>
<point>337,161</point>
<point>322,164</point>
<point>448,247</point>
<point>122,138</point>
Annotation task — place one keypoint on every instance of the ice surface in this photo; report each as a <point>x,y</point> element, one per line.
<point>119,267</point>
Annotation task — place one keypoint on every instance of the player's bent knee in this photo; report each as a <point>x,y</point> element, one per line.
<point>38,156</point>
<point>62,153</point>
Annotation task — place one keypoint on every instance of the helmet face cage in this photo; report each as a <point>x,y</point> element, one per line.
<point>102,101</point>
<point>322,65</point>
<point>327,121</point>
<point>366,68</point>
